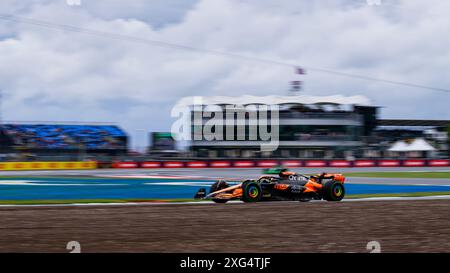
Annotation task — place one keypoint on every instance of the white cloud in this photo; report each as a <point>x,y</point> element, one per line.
<point>50,74</point>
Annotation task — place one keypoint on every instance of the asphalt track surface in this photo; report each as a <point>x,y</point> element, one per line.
<point>399,226</point>
<point>251,173</point>
<point>407,225</point>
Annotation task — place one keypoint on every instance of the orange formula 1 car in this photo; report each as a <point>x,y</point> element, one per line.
<point>287,186</point>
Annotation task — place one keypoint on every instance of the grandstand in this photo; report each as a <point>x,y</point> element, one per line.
<point>43,139</point>
<point>309,126</point>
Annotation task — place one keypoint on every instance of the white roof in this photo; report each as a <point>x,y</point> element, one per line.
<point>419,144</point>
<point>399,146</point>
<point>272,100</point>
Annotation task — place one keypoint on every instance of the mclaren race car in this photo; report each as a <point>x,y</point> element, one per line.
<point>286,186</point>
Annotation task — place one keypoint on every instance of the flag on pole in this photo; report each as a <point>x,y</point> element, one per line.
<point>300,70</point>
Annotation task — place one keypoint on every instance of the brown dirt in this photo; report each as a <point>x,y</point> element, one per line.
<point>399,226</point>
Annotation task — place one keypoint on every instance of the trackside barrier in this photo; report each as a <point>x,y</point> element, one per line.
<point>292,163</point>
<point>439,163</point>
<point>340,163</point>
<point>315,163</point>
<point>414,163</point>
<point>125,165</point>
<point>243,164</point>
<point>196,164</point>
<point>389,163</point>
<point>40,165</point>
<point>151,164</point>
<point>267,163</point>
<point>220,164</point>
<point>173,164</point>
<point>364,163</point>
<point>273,163</point>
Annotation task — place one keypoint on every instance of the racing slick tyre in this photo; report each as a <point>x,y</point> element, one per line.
<point>217,186</point>
<point>251,191</point>
<point>333,191</point>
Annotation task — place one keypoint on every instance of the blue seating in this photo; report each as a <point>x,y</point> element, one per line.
<point>48,136</point>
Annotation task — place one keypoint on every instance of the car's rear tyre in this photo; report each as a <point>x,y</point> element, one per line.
<point>333,191</point>
<point>251,191</point>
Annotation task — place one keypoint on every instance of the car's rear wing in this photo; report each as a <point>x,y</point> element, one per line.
<point>334,176</point>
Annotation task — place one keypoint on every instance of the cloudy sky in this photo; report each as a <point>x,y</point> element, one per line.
<point>49,74</point>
